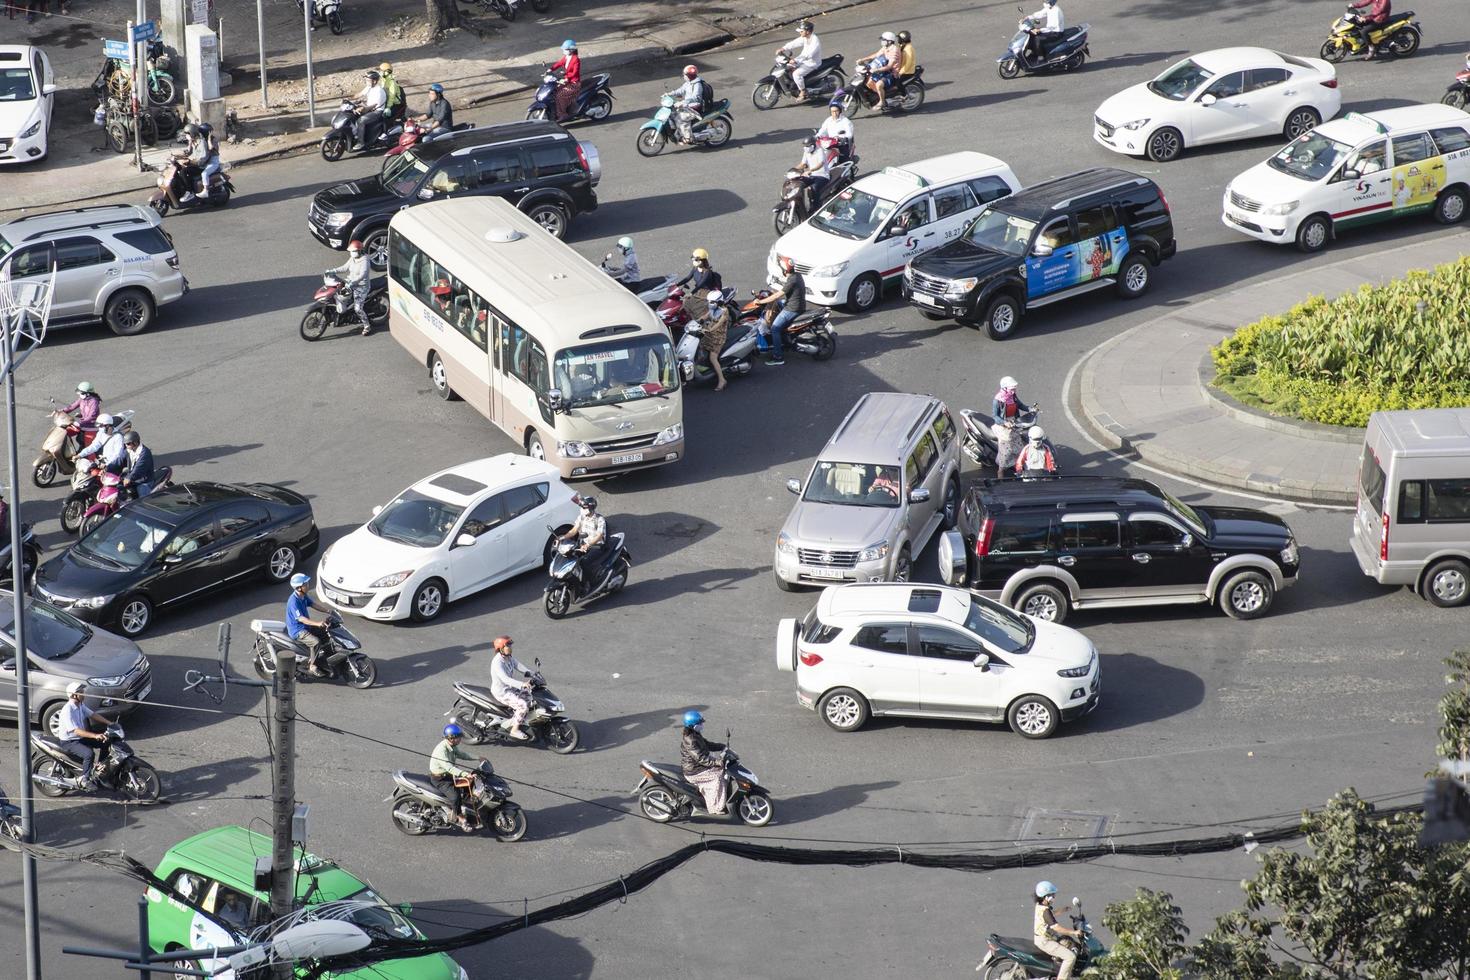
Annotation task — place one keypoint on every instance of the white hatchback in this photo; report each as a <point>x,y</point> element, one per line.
<point>459,531</point>
<point>928,651</point>
<point>27,97</point>
<point>1215,96</point>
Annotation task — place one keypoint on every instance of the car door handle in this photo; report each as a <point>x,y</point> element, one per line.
<point>1290,91</point>
<point>928,234</point>
<point>1143,558</point>
<point>520,190</point>
<point>1066,560</point>
<point>257,537</point>
<point>1239,105</point>
<point>1066,255</point>
<point>1385,180</point>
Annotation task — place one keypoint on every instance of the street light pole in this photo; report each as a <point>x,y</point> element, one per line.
<point>306,8</point>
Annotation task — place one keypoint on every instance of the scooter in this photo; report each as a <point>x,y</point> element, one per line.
<point>30,559</point>
<point>160,81</point>
<point>594,99</point>
<point>1458,93</point>
<point>906,95</point>
<point>328,12</point>
<point>811,333</point>
<point>60,447</point>
<point>665,795</point>
<point>673,312</point>
<point>714,128</point>
<point>509,8</point>
<point>652,290</point>
<point>797,201</point>
<point>1066,53</point>
<point>338,140</point>
<point>9,818</point>
<point>821,83</point>
<point>180,174</point>
<point>55,773</point>
<point>86,481</point>
<point>576,582</point>
<point>1019,959</point>
<point>981,445</point>
<point>485,719</point>
<point>341,656</point>
<point>1400,37</point>
<point>420,806</point>
<point>736,358</point>
<point>113,496</point>
<point>323,314</point>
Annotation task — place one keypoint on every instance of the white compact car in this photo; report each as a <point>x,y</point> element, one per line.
<point>860,240</point>
<point>27,96</point>
<point>459,531</point>
<point>928,651</point>
<point>1226,94</point>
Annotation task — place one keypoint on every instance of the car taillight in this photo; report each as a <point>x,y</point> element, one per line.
<point>811,659</point>
<point>1383,541</point>
<point>982,540</point>
<point>1165,202</point>
<point>173,262</point>
<point>582,159</point>
<point>1330,83</point>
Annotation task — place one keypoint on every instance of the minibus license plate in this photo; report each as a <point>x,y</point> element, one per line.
<point>627,458</point>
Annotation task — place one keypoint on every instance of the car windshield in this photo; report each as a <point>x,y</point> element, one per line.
<point>50,633</point>
<point>1310,156</point>
<point>16,85</point>
<point>416,519</point>
<point>1179,81</point>
<point>854,484</point>
<point>998,626</point>
<point>125,540</point>
<point>1000,231</point>
<point>854,214</point>
<point>377,918</point>
<point>1183,511</point>
<point>616,371</point>
<point>401,174</point>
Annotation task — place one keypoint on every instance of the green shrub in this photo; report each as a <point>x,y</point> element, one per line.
<point>1374,349</point>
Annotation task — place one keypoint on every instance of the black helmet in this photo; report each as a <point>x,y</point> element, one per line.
<point>809,142</point>
<point>589,503</point>
<point>373,76</point>
<point>904,37</point>
<point>807,25</point>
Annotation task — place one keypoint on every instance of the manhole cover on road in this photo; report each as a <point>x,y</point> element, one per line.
<point>1050,827</point>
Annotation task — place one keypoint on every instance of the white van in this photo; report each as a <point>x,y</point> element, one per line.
<point>861,239</point>
<point>1351,171</point>
<point>1413,521</point>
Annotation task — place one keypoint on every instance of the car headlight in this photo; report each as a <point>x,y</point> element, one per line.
<point>1135,124</point>
<point>829,271</point>
<point>958,287</point>
<point>574,449</point>
<point>784,544</point>
<point>338,219</point>
<point>673,433</point>
<point>1289,554</point>
<point>113,681</point>
<point>1082,671</point>
<point>94,602</point>
<point>874,551</point>
<point>388,581</point>
<point>1278,209</point>
<point>32,130</point>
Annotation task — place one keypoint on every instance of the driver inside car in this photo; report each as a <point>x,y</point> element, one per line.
<point>884,486</point>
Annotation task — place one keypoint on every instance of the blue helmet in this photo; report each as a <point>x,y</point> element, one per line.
<point>452,730</point>
<point>569,45</point>
<point>436,87</point>
<point>692,718</point>
<point>299,579</point>
<point>1045,888</point>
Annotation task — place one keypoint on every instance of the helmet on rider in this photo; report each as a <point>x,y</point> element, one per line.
<point>699,255</point>
<point>589,504</point>
<point>300,579</point>
<point>1009,383</point>
<point>75,687</point>
<point>191,130</point>
<point>503,643</point>
<point>1036,434</point>
<point>452,730</point>
<point>714,296</point>
<point>569,45</point>
<point>625,244</point>
<point>889,37</point>
<point>692,718</point>
<point>904,37</point>
<point>690,71</point>
<point>786,264</point>
<point>386,68</point>
<point>355,245</point>
<point>85,388</point>
<point>436,87</point>
<point>838,100</point>
<point>105,421</point>
<point>372,76</point>
<point>809,142</point>
<point>805,27</point>
<point>1045,889</point>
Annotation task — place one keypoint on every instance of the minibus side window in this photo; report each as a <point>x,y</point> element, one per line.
<point>1411,502</point>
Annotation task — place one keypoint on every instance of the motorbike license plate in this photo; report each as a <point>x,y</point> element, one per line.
<point>627,458</point>
<point>334,595</point>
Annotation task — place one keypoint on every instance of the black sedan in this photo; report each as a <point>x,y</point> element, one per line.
<point>175,544</point>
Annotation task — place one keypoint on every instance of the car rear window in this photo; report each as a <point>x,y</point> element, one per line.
<point>149,240</point>
<point>1020,533</point>
<point>553,160</point>
<point>813,630</point>
<point>1371,481</point>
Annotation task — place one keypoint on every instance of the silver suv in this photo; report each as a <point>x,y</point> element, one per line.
<point>885,482</point>
<point>113,263</point>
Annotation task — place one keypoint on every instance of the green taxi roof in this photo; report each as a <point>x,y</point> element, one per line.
<point>229,853</point>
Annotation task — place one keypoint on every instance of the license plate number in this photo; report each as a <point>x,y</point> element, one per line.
<point>926,300</point>
<point>143,694</point>
<point>334,595</point>
<point>825,573</point>
<point>627,458</point>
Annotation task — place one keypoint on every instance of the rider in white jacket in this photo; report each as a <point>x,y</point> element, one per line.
<point>807,49</point>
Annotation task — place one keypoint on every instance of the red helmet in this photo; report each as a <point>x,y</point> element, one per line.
<point>690,71</point>
<point>355,245</point>
<point>785,263</point>
<point>502,642</point>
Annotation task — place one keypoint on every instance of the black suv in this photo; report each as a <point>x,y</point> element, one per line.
<point>1089,542</point>
<point>537,166</point>
<point>1071,235</point>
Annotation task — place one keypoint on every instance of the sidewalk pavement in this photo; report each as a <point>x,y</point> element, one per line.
<point>1146,391</point>
<point>488,59</point>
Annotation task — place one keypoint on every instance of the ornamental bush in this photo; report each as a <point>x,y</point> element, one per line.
<point>1405,344</point>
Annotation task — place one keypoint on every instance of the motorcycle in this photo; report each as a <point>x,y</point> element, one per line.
<point>1019,959</point>
<point>341,654</point>
<point>821,83</point>
<point>419,805</point>
<point>673,312</point>
<point>509,8</point>
<point>575,582</point>
<point>86,481</point>
<point>594,98</point>
<point>1458,93</point>
<point>160,81</point>
<point>30,558</point>
<point>323,315</point>
<point>665,795</point>
<point>9,818</point>
<point>652,290</point>
<point>811,333</point>
<point>60,447</point>
<point>1067,53</point>
<point>338,139</point>
<point>182,176</point>
<point>113,496</point>
<point>415,132</point>
<point>329,12</point>
<point>736,358</point>
<point>55,773</point>
<point>981,445</point>
<point>797,202</point>
<point>906,95</point>
<point>485,719</point>
<point>714,128</point>
<point>1399,37</point>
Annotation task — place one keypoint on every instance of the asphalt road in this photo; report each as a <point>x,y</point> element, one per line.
<point>1207,722</point>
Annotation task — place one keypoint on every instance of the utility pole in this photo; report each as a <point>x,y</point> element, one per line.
<point>260,36</point>
<point>283,800</point>
<point>20,340</point>
<point>307,8</point>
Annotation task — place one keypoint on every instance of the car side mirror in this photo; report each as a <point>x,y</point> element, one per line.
<point>982,661</point>
<point>48,89</point>
<point>377,510</point>
<point>1187,543</point>
<point>8,665</point>
<point>1041,250</point>
<point>556,400</point>
<point>1207,99</point>
<point>465,540</point>
<point>918,495</point>
<point>1351,174</point>
<point>426,194</point>
<point>794,486</point>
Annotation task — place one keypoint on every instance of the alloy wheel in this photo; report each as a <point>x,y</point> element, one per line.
<point>282,563</point>
<point>1041,606</point>
<point>1247,596</point>
<point>428,601</point>
<point>1033,718</point>
<point>1136,278</point>
<point>135,616</point>
<point>843,710</point>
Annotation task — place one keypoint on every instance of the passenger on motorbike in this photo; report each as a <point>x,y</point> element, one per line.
<point>791,295</point>
<point>88,406</point>
<point>703,762</point>
<point>356,276</point>
<point>445,767</point>
<point>139,475</point>
<point>806,54</point>
<point>571,81</point>
<point>438,119</point>
<point>839,127</point>
<point>716,329</point>
<point>1045,930</point>
<point>310,633</point>
<point>1375,13</point>
<point>77,738</point>
<point>882,64</point>
<point>1049,24</point>
<point>372,103</point>
<point>506,684</point>
<point>1036,458</point>
<point>693,99</point>
<point>699,280</point>
<point>815,167</point>
<point>108,447</point>
<point>629,276</point>
<point>397,105</point>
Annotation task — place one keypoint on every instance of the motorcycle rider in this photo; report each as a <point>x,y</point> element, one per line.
<point>372,104</point>
<point>310,633</point>
<point>716,329</point>
<point>1374,14</point>
<point>837,126</point>
<point>815,167</point>
<point>1036,458</point>
<point>806,54</point>
<point>882,65</point>
<point>87,406</point>
<point>700,279</point>
<point>791,294</point>
<point>438,119</point>
<point>1006,405</point>
<point>108,447</point>
<point>693,100</point>
<point>77,738</point>
<point>1045,930</point>
<point>397,105</point>
<point>505,683</point>
<point>590,529</point>
<point>703,762</point>
<point>356,275</point>
<point>571,82</point>
<point>1049,24</point>
<point>630,275</point>
<point>445,766</point>
<point>139,475</point>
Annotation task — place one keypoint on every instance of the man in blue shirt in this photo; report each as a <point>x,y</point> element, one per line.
<point>310,633</point>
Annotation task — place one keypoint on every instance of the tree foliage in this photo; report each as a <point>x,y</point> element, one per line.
<point>1150,935</point>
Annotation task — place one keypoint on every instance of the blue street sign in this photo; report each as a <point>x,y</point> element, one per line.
<point>146,31</point>
<point>117,49</point>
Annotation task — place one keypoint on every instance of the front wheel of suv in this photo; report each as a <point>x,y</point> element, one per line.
<point>1033,717</point>
<point>1247,595</point>
<point>1043,601</point>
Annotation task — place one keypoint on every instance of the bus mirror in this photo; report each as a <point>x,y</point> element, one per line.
<point>556,400</point>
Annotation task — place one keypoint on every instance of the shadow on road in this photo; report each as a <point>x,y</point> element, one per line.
<point>651,211</point>
<point>612,733</point>
<point>1170,691</point>
<point>825,803</point>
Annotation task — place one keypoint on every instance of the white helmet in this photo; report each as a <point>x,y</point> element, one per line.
<point>714,296</point>
<point>625,243</point>
<point>75,687</point>
<point>1009,383</point>
<point>890,37</point>
<point>106,420</point>
<point>1035,433</point>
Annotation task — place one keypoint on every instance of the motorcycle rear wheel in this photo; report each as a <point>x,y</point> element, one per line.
<point>140,782</point>
<point>161,206</point>
<point>722,129</point>
<point>44,765</point>
<point>411,817</point>
<point>118,136</point>
<point>563,737</point>
<point>161,90</point>
<point>1403,42</point>
<point>558,601</point>
<point>598,107</point>
<point>826,346</point>
<point>915,97</point>
<point>651,142</point>
<point>365,674</point>
<point>658,804</point>
<point>333,147</point>
<point>90,523</point>
<point>45,473</point>
<point>509,824</point>
<point>313,325</point>
<point>506,9</point>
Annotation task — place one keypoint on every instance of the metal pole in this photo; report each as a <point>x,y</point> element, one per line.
<point>140,85</point>
<point>145,955</point>
<point>306,9</point>
<point>22,682</point>
<point>283,800</point>
<point>260,32</point>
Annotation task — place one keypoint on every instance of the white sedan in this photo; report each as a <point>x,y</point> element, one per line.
<point>27,96</point>
<point>459,531</point>
<point>1226,94</point>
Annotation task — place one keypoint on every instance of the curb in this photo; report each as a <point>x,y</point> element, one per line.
<point>1251,415</point>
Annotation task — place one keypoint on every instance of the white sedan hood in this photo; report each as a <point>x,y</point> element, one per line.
<point>362,558</point>
<point>17,116</point>
<point>1134,102</point>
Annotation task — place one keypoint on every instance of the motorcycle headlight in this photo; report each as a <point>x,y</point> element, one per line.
<point>388,581</point>
<point>784,544</point>
<point>555,706</point>
<point>958,287</point>
<point>673,433</point>
<point>113,681</point>
<point>574,449</point>
<point>1286,207</point>
<point>874,551</point>
<point>829,271</point>
<point>94,602</point>
<point>338,219</point>
<point>31,130</point>
<point>1135,124</point>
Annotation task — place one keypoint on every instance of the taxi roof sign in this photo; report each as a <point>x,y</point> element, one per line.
<point>1358,117</point>
<point>907,175</point>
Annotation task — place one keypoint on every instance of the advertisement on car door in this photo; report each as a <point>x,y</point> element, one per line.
<point>1417,184</point>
